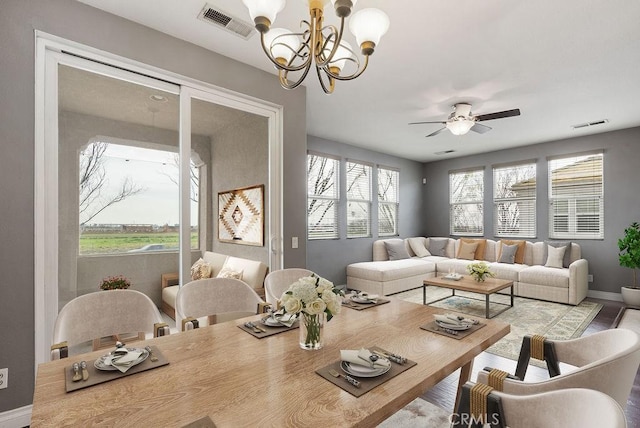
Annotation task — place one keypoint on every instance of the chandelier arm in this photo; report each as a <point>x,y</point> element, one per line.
<point>298,54</point>
<point>355,75</point>
<point>332,81</point>
<point>284,81</point>
<point>336,44</point>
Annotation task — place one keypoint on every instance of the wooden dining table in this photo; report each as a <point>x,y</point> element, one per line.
<point>227,375</point>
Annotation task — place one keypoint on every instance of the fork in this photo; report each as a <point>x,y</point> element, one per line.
<point>349,379</point>
<point>252,325</point>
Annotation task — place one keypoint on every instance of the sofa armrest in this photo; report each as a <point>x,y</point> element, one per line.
<point>169,279</point>
<point>578,281</point>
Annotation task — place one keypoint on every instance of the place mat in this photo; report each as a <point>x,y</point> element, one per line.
<point>205,422</point>
<point>360,306</point>
<point>366,383</point>
<point>268,330</point>
<point>435,328</point>
<point>100,376</point>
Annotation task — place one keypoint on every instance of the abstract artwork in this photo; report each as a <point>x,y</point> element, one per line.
<point>241,216</point>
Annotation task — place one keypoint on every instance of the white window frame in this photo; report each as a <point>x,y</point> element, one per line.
<point>477,201</point>
<point>360,196</point>
<point>521,208</point>
<point>333,197</point>
<point>572,199</point>
<point>390,202</point>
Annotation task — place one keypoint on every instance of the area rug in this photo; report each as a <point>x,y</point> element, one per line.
<point>528,316</point>
<point>418,414</point>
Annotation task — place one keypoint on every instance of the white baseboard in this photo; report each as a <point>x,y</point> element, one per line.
<point>605,295</point>
<point>16,418</point>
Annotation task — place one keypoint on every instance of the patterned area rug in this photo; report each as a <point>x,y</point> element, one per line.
<point>418,414</point>
<point>528,316</point>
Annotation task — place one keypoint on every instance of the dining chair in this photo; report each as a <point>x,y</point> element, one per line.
<point>105,314</point>
<point>278,281</point>
<point>606,361</point>
<point>573,407</point>
<point>217,300</point>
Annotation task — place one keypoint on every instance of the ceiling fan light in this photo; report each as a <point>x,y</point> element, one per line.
<point>264,8</point>
<point>369,25</point>
<point>460,126</point>
<point>281,43</point>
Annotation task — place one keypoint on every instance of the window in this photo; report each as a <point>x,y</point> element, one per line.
<point>322,196</point>
<point>388,201</point>
<point>466,192</point>
<point>514,200</point>
<point>576,208</point>
<point>358,200</point>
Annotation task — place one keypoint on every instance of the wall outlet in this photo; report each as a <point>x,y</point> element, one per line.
<point>4,378</point>
<point>294,242</point>
<point>589,278</point>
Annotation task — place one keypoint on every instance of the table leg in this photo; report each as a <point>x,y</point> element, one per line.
<point>424,293</point>
<point>465,376</point>
<point>486,306</point>
<point>512,295</point>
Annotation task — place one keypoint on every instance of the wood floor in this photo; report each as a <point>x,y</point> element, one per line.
<point>443,394</point>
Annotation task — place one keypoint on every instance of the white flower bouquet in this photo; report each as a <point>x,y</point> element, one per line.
<point>479,271</point>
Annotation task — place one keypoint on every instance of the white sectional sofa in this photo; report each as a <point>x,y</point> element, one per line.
<point>530,276</point>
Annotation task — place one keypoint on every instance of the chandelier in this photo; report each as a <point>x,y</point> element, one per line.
<point>322,46</point>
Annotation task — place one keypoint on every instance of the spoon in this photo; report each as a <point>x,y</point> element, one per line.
<point>349,379</point>
<point>76,372</point>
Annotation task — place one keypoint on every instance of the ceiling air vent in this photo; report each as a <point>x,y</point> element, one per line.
<point>226,21</point>
<point>445,152</point>
<point>586,125</point>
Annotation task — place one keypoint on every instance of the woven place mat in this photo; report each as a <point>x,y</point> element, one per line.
<point>100,376</point>
<point>366,383</point>
<point>268,330</point>
<point>435,328</point>
<point>360,306</point>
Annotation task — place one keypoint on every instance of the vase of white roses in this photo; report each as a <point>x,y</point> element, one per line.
<point>479,271</point>
<point>311,299</point>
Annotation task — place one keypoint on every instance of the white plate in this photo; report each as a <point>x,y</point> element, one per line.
<point>361,300</point>
<point>100,362</point>
<point>363,371</point>
<point>272,322</point>
<point>460,327</point>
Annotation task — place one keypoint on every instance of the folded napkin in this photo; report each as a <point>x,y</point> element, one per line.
<point>452,319</point>
<point>123,358</point>
<point>361,357</point>
<point>284,319</point>
<point>366,296</point>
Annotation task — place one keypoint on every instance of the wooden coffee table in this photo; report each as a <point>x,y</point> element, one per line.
<point>466,283</point>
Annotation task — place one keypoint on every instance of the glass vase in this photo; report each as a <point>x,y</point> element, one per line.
<point>311,330</point>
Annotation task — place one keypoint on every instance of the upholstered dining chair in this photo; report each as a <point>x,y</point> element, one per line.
<point>104,314</point>
<point>573,407</point>
<point>277,282</point>
<point>606,361</point>
<point>224,299</point>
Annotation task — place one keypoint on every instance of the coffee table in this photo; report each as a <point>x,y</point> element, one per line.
<point>466,283</point>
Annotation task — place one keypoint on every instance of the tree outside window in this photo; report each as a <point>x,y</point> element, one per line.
<point>466,193</point>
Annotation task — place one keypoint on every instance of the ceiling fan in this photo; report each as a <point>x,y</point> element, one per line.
<point>461,121</point>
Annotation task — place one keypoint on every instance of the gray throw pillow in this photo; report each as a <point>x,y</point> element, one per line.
<point>566,259</point>
<point>437,246</point>
<point>396,249</point>
<point>508,254</point>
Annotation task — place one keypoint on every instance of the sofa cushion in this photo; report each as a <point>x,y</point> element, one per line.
<point>390,270</point>
<point>201,269</point>
<point>566,259</point>
<point>508,254</point>
<point>519,254</point>
<point>396,249</point>
<point>227,272</point>
<point>453,265</point>
<point>506,271</point>
<point>541,275</point>
<point>169,295</point>
<point>418,246</point>
<point>437,246</point>
<point>480,249</point>
<point>467,250</point>
<point>555,256</point>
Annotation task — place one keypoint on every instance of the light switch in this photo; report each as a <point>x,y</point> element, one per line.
<point>294,242</point>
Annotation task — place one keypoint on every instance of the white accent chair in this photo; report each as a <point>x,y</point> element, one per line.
<point>103,314</point>
<point>278,281</point>
<point>573,407</point>
<point>214,300</point>
<point>606,361</point>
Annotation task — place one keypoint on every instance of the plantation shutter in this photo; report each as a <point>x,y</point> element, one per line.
<point>388,201</point>
<point>322,196</point>
<point>514,200</point>
<point>466,193</point>
<point>358,199</point>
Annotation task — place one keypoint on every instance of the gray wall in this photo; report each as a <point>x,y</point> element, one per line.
<point>621,200</point>
<point>329,258</point>
<point>81,23</point>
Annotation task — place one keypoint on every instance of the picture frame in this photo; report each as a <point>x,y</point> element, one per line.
<point>241,216</point>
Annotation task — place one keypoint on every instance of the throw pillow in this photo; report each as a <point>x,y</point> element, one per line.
<point>396,249</point>
<point>508,254</point>
<point>566,260</point>
<point>467,251</point>
<point>227,272</point>
<point>519,254</point>
<point>417,245</point>
<point>437,246</point>
<point>200,270</point>
<point>482,244</point>
<point>555,256</point>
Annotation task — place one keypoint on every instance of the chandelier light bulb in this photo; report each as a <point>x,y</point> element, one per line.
<point>343,53</point>
<point>282,44</point>
<point>264,9</point>
<point>369,25</point>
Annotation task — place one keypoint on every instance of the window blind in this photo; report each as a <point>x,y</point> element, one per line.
<point>322,196</point>
<point>388,201</point>
<point>358,199</point>
<point>514,200</point>
<point>466,193</point>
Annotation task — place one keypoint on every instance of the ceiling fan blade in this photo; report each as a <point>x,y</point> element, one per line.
<point>437,132</point>
<point>498,115</point>
<point>420,123</point>
<point>480,129</point>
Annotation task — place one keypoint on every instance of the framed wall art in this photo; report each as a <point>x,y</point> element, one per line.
<point>241,216</point>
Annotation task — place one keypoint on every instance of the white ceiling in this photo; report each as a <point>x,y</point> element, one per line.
<point>561,63</point>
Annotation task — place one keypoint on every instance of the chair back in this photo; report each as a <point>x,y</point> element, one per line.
<point>278,281</point>
<point>215,296</point>
<point>105,313</point>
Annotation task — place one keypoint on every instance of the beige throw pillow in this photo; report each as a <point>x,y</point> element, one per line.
<point>467,251</point>
<point>227,272</point>
<point>555,256</point>
<point>200,270</point>
<point>418,247</point>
